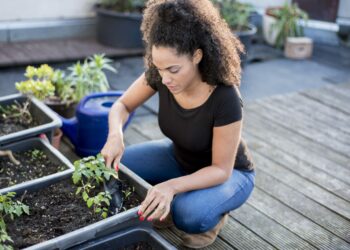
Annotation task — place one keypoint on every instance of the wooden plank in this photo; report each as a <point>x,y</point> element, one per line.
<point>148,127</point>
<point>316,212</point>
<point>303,149</point>
<point>303,186</point>
<point>278,116</point>
<point>339,91</point>
<point>17,54</point>
<point>328,100</point>
<point>268,229</point>
<point>299,167</point>
<point>318,111</point>
<point>295,222</point>
<point>132,136</point>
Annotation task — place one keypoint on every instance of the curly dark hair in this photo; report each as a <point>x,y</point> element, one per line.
<point>188,25</point>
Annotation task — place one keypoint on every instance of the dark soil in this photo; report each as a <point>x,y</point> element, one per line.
<point>54,211</point>
<point>14,124</point>
<point>142,245</point>
<point>34,164</point>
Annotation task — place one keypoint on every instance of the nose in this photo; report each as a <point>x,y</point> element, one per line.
<point>166,79</point>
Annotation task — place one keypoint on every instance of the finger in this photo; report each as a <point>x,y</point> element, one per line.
<point>108,162</point>
<point>150,208</point>
<point>165,214</point>
<point>116,163</point>
<point>158,212</point>
<point>149,198</point>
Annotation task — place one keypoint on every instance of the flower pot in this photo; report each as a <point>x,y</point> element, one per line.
<point>245,37</point>
<point>119,30</point>
<point>139,237</point>
<point>118,222</point>
<point>54,156</point>
<point>56,139</point>
<point>65,109</point>
<point>270,35</point>
<point>46,119</point>
<point>298,47</point>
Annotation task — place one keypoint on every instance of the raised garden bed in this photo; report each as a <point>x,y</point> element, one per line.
<point>33,118</point>
<point>39,163</point>
<point>65,219</point>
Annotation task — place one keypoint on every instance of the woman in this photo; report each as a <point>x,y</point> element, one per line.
<point>202,171</point>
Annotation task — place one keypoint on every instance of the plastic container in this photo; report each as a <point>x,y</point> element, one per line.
<point>88,130</point>
<point>48,119</point>
<point>54,155</point>
<point>102,228</point>
<point>127,238</point>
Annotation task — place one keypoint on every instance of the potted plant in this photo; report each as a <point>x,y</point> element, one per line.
<point>73,214</point>
<point>237,15</point>
<point>118,23</point>
<point>282,22</point>
<point>22,117</point>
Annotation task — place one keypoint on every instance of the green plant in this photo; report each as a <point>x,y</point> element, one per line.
<point>16,112</point>
<point>235,13</point>
<point>89,77</point>
<point>89,174</point>
<point>123,5</point>
<point>9,208</point>
<point>38,83</point>
<point>287,22</point>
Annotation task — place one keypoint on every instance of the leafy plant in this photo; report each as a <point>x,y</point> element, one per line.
<point>9,208</point>
<point>16,112</point>
<point>89,77</point>
<point>287,22</point>
<point>235,13</point>
<point>123,5</point>
<point>89,174</point>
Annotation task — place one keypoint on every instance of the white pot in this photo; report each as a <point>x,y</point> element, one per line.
<point>269,34</point>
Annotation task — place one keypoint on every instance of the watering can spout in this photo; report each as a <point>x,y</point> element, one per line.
<point>70,128</point>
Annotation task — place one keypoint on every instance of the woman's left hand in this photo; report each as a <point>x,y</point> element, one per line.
<point>157,202</point>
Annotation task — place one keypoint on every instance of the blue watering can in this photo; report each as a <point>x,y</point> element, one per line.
<point>88,130</point>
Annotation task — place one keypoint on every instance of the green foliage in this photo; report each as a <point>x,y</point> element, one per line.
<point>16,112</point>
<point>123,5</point>
<point>287,22</point>
<point>89,174</point>
<point>9,208</point>
<point>37,154</point>
<point>235,13</point>
<point>89,77</point>
<point>38,83</point>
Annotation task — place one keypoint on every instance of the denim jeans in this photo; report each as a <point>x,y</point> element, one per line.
<point>195,211</point>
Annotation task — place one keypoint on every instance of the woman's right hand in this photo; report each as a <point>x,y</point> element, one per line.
<point>113,150</point>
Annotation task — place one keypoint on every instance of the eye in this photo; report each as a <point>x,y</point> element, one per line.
<point>174,70</point>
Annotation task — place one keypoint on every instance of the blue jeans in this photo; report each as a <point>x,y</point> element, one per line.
<point>195,211</point>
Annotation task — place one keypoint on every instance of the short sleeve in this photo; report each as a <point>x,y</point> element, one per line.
<point>228,108</point>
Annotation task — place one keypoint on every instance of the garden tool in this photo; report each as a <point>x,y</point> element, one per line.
<point>114,187</point>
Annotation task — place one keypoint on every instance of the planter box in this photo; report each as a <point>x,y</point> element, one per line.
<point>47,119</point>
<point>126,238</point>
<point>53,154</point>
<point>101,228</point>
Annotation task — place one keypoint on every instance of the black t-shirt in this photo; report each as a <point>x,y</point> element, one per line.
<point>191,130</point>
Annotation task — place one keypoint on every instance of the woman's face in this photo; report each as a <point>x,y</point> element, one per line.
<point>178,72</point>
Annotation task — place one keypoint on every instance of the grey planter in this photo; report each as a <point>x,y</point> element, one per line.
<point>48,119</point>
<point>119,30</point>
<point>104,227</point>
<point>125,238</point>
<point>246,38</point>
<point>54,155</point>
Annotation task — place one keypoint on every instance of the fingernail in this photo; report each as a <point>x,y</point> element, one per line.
<point>142,218</point>
<point>116,167</point>
<point>161,219</point>
<point>150,219</point>
<point>139,212</point>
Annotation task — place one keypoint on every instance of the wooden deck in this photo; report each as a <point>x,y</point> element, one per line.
<point>301,146</point>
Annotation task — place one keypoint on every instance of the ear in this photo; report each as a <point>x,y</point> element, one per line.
<point>197,56</point>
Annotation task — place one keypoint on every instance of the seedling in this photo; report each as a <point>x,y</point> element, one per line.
<point>9,208</point>
<point>90,173</point>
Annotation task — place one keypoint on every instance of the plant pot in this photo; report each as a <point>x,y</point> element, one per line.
<point>270,35</point>
<point>56,139</point>
<point>246,38</point>
<point>128,238</point>
<point>298,47</point>
<point>54,156</point>
<point>119,30</point>
<point>101,228</point>
<point>64,109</point>
<point>47,120</point>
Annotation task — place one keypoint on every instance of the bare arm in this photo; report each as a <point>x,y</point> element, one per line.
<point>134,96</point>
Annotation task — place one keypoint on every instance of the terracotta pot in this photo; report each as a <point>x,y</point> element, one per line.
<point>65,109</point>
<point>56,139</point>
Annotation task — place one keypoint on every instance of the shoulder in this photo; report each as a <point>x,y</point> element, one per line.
<point>226,93</point>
